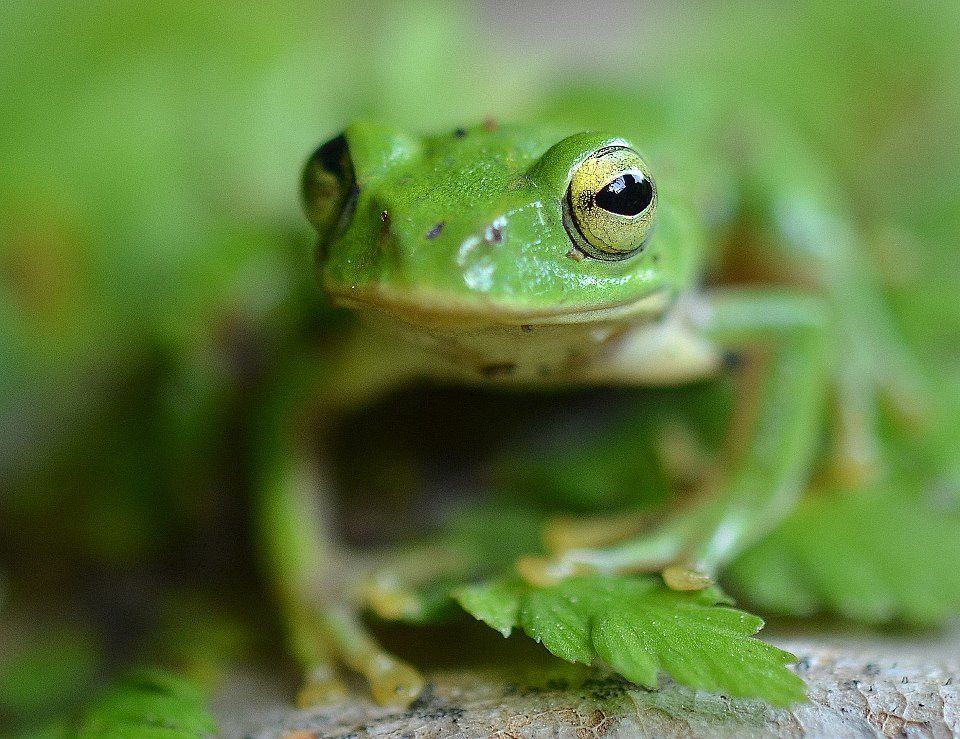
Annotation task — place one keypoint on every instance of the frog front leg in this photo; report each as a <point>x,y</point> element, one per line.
<point>316,581</point>
<point>771,446</point>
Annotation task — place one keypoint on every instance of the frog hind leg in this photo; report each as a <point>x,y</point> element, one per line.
<point>810,235</point>
<point>773,441</point>
<point>876,372</point>
<point>872,370</point>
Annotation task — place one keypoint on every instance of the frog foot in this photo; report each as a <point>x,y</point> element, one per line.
<point>392,683</point>
<point>390,598</point>
<point>874,376</point>
<point>678,548</point>
<point>565,533</point>
<point>542,571</point>
<point>855,459</point>
<point>687,577</point>
<point>330,633</point>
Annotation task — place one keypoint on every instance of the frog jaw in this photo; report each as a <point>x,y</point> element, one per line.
<point>430,310</point>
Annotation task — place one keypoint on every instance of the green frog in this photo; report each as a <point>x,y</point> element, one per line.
<point>554,256</point>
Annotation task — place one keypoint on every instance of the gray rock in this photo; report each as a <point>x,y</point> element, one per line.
<point>858,687</point>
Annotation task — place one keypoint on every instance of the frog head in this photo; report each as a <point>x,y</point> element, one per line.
<point>479,234</point>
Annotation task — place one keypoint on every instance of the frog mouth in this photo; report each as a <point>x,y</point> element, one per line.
<point>427,308</point>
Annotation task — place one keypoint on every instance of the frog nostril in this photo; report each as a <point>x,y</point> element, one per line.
<point>384,236</point>
<point>494,233</point>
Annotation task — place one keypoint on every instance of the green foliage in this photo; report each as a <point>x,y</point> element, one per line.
<point>49,674</point>
<point>863,556</point>
<point>149,704</point>
<point>634,625</point>
<point>639,628</point>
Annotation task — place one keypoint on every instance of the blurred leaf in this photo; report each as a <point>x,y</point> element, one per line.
<point>866,557</point>
<point>47,676</point>
<point>199,635</point>
<point>149,703</point>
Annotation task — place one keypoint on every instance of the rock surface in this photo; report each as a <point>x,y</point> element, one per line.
<point>858,687</point>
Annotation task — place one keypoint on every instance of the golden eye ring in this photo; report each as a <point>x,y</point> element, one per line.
<point>610,204</point>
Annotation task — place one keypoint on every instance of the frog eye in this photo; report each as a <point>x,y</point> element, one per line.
<point>329,187</point>
<point>610,204</point>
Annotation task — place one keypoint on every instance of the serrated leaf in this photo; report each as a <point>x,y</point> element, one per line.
<point>640,628</point>
<point>496,603</point>
<point>866,556</point>
<point>556,619</point>
<point>616,642</point>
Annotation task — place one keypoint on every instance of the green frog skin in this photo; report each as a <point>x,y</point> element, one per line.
<point>545,256</point>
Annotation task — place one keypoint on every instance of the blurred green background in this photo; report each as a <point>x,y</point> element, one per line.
<point>154,265</point>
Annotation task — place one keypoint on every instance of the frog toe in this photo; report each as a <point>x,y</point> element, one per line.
<point>854,470</point>
<point>542,572</point>
<point>389,598</point>
<point>393,682</point>
<point>686,578</point>
<point>566,533</point>
<point>321,687</point>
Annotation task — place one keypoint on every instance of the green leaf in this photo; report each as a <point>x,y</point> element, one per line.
<point>556,617</point>
<point>640,628</point>
<point>496,603</point>
<point>867,556</point>
<point>617,644</point>
<point>149,703</point>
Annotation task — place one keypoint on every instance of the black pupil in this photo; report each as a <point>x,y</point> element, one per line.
<point>627,195</point>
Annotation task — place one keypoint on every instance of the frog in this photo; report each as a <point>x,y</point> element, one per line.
<point>552,255</point>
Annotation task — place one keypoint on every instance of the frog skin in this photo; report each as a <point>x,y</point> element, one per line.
<point>540,256</point>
